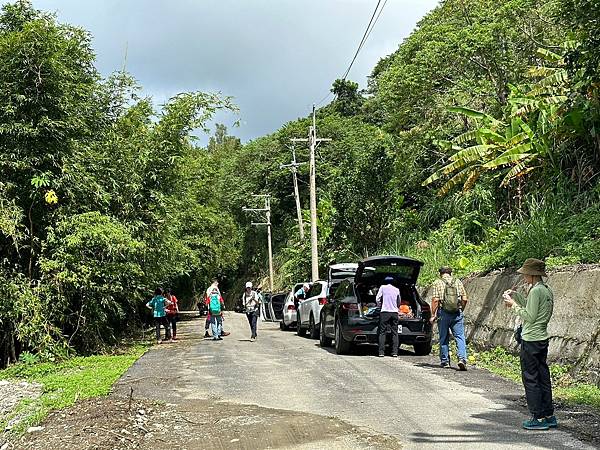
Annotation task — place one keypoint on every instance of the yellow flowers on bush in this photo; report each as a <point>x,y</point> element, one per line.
<point>51,197</point>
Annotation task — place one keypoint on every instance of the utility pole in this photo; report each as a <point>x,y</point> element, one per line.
<point>267,211</point>
<point>294,168</point>
<point>313,142</point>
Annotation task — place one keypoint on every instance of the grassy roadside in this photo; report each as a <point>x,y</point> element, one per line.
<point>66,382</point>
<point>565,386</point>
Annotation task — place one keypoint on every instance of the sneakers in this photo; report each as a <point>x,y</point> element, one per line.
<point>206,334</point>
<point>252,339</point>
<point>535,424</point>
<point>462,365</point>
<point>381,355</point>
<point>551,421</point>
<point>219,338</point>
<point>394,355</point>
<point>445,365</point>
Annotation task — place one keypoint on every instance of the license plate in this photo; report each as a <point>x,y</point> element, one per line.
<point>399,329</point>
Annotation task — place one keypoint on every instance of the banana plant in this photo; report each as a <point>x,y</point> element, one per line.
<point>516,144</point>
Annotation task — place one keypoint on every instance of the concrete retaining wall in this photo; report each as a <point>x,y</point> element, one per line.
<point>575,324</point>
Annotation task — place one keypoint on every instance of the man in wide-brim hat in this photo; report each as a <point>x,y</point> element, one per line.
<point>535,312</point>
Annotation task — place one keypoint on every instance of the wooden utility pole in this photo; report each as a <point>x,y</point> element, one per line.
<point>313,142</point>
<point>293,166</point>
<point>267,211</point>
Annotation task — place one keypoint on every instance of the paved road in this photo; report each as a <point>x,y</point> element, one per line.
<point>408,397</point>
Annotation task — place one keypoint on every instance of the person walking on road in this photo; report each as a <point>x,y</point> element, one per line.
<point>214,285</point>
<point>388,298</point>
<point>251,305</point>
<point>172,313</point>
<point>158,305</point>
<point>535,312</point>
<point>448,302</point>
<point>216,306</point>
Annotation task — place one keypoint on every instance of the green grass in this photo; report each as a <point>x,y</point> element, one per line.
<point>564,386</point>
<point>66,382</point>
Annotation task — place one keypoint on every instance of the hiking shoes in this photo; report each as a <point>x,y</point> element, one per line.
<point>462,365</point>
<point>445,365</point>
<point>535,424</point>
<point>551,421</point>
<point>206,334</point>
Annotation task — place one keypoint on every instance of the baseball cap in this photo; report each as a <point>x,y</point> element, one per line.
<point>249,284</point>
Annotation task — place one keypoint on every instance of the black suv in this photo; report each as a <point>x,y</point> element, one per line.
<point>351,316</point>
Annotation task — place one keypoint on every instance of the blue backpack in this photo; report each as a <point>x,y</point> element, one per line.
<point>215,304</point>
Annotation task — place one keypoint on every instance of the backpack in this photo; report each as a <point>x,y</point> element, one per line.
<point>451,300</point>
<point>215,305</point>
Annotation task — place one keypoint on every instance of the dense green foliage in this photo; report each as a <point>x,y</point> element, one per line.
<point>102,196</point>
<point>475,145</point>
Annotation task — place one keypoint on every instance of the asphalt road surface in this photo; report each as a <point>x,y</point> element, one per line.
<point>408,397</point>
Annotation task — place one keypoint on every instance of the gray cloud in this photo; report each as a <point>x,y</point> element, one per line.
<point>276,57</point>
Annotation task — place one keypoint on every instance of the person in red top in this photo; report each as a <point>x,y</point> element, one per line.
<point>172,312</point>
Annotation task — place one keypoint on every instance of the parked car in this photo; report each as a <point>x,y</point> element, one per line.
<point>309,311</point>
<point>288,319</point>
<point>350,316</point>
<point>274,308</point>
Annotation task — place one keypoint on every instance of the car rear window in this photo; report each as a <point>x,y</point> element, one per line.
<point>398,271</point>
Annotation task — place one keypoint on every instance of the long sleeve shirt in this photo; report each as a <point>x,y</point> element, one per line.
<point>388,297</point>
<point>535,311</point>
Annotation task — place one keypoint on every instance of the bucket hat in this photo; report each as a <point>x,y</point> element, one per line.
<point>533,266</point>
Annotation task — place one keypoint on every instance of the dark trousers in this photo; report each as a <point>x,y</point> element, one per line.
<point>165,323</point>
<point>536,378</point>
<point>388,320</point>
<point>252,318</point>
<point>172,318</point>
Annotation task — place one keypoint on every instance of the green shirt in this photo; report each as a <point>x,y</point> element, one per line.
<point>158,304</point>
<point>535,311</point>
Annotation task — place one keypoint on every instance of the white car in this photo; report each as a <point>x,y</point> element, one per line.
<point>309,310</point>
<point>289,309</point>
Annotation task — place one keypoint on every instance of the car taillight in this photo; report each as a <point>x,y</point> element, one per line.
<point>350,306</point>
<point>291,308</point>
<point>322,300</point>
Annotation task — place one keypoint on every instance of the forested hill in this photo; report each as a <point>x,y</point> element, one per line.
<point>475,144</point>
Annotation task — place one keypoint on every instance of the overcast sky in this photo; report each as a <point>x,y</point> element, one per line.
<point>275,57</point>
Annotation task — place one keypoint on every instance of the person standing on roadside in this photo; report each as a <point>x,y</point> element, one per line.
<point>214,285</point>
<point>172,313</point>
<point>300,294</point>
<point>216,305</point>
<point>158,305</point>
<point>535,312</point>
<point>251,305</point>
<point>388,298</point>
<point>448,302</point>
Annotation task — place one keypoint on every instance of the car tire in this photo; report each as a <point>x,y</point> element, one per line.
<point>324,341</point>
<point>422,348</point>
<point>283,326</point>
<point>299,330</point>
<point>342,346</point>
<point>312,328</point>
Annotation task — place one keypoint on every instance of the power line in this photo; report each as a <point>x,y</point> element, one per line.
<point>374,18</point>
<point>362,41</point>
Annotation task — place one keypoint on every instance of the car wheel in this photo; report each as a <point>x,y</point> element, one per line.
<point>283,326</point>
<point>423,348</point>
<point>314,331</point>
<point>324,341</point>
<point>299,330</point>
<point>342,346</point>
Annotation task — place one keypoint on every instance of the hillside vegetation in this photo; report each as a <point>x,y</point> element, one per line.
<point>475,144</point>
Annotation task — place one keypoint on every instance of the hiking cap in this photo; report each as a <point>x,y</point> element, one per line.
<point>306,286</point>
<point>249,284</point>
<point>535,267</point>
